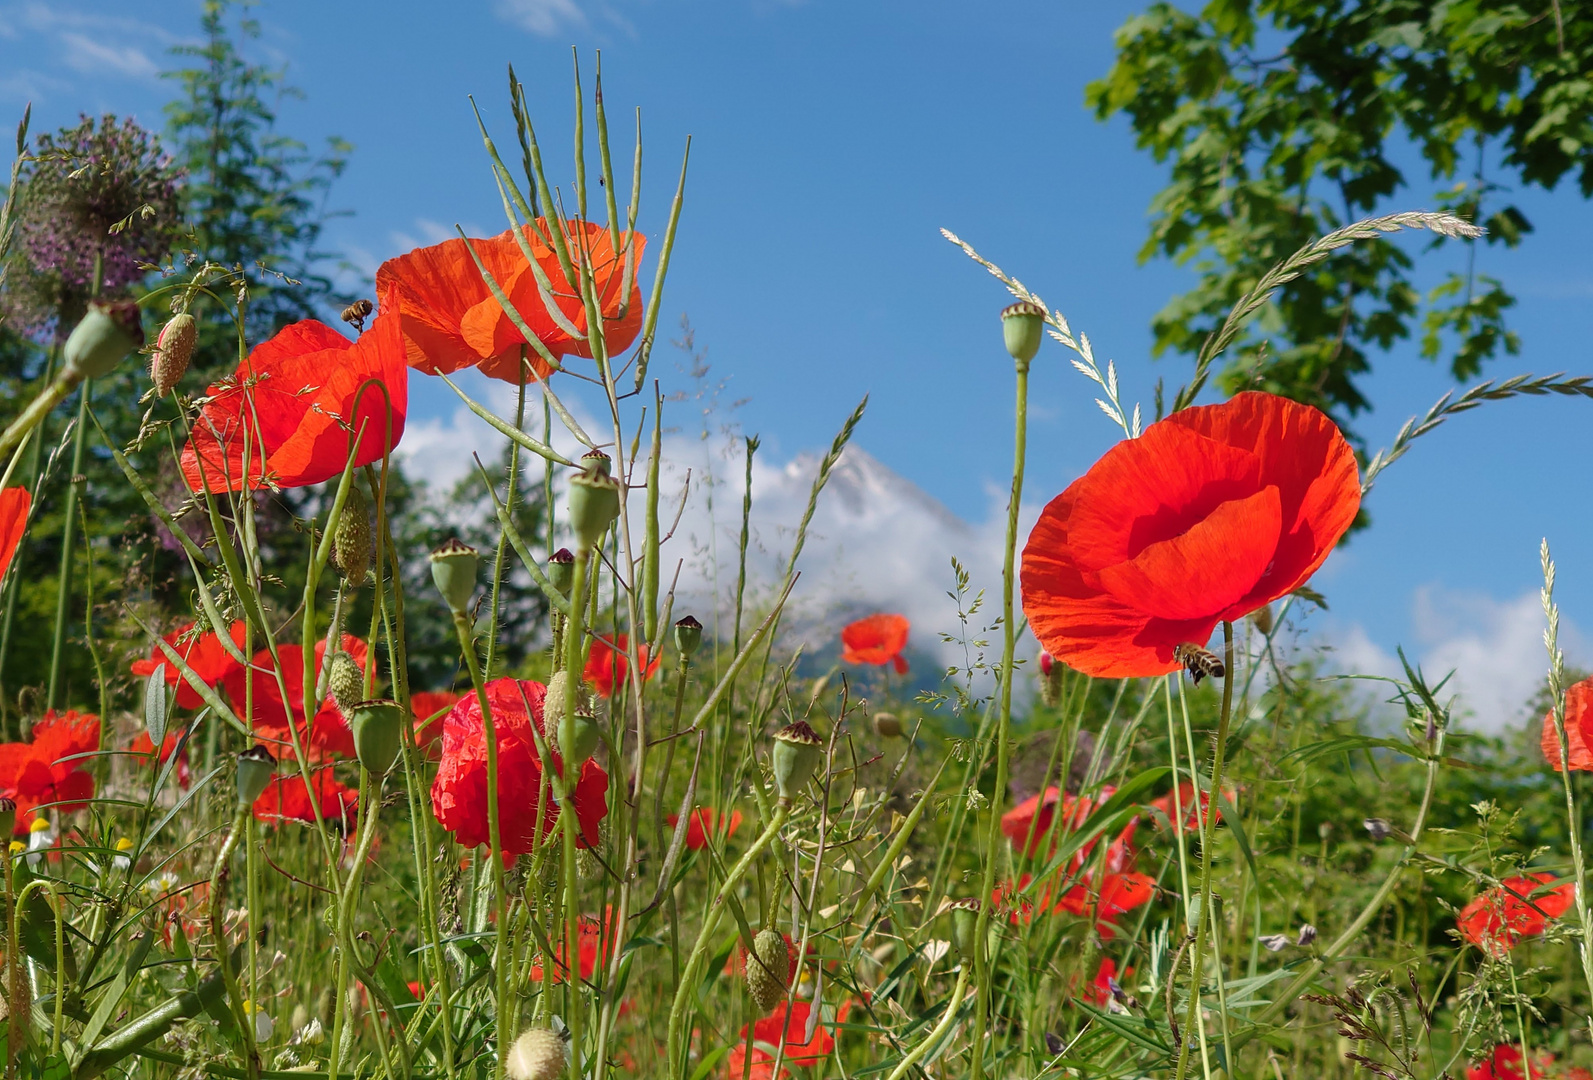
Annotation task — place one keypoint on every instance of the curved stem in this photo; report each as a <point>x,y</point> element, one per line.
<point>945,1025</point>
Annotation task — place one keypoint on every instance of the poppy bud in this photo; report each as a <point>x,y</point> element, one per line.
<point>561,571</point>
<point>173,349</point>
<point>351,544</point>
<point>108,331</point>
<point>538,1054</point>
<point>1261,617</point>
<point>797,753</point>
<point>688,636</point>
<point>1023,327</point>
<point>346,682</point>
<point>887,725</point>
<point>453,571</point>
<point>255,766</point>
<point>767,968</point>
<point>594,504</point>
<point>1051,675</point>
<point>8,816</point>
<point>376,727</point>
<point>964,926</point>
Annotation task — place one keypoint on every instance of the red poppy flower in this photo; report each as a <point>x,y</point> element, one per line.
<point>327,733</point>
<point>142,745</point>
<point>428,708</point>
<point>451,320</point>
<point>878,639</point>
<point>1508,1063</point>
<point>606,667</point>
<point>1105,976</point>
<point>1207,516</point>
<point>50,769</point>
<point>1578,728</point>
<point>1120,894</point>
<point>1497,919</point>
<point>1029,822</point>
<point>459,793</point>
<point>736,962</point>
<point>799,1049</point>
<point>1193,816</point>
<point>296,401</point>
<point>204,653</point>
<point>287,799</point>
<point>590,949</point>
<point>14,504</point>
<point>702,822</point>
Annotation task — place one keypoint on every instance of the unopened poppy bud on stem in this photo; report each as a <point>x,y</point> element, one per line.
<point>688,636</point>
<point>376,726</point>
<point>345,681</point>
<point>561,571</point>
<point>1023,328</point>
<point>767,969</point>
<point>538,1054</point>
<point>798,750</point>
<point>1262,618</point>
<point>887,725</point>
<point>108,331</point>
<point>255,768</point>
<point>351,544</point>
<point>173,349</point>
<point>453,571</point>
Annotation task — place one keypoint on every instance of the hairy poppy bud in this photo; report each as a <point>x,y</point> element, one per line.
<point>1051,676</point>
<point>964,926</point>
<point>453,571</point>
<point>538,1054</point>
<point>767,969</point>
<point>1023,327</point>
<point>108,331</point>
<point>8,816</point>
<point>688,636</point>
<point>345,681</point>
<point>887,725</point>
<point>255,766</point>
<point>594,502</point>
<point>376,726</point>
<point>561,571</point>
<point>351,544</point>
<point>797,753</point>
<point>1261,617</point>
<point>173,349</point>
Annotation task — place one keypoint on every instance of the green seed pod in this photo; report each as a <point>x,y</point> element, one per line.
<point>538,1054</point>
<point>688,636</point>
<point>594,504</point>
<point>255,767</point>
<point>767,969</point>
<point>351,544</point>
<point>378,730</point>
<point>596,461</point>
<point>1023,328</point>
<point>887,725</point>
<point>964,926</point>
<point>583,738</point>
<point>798,750</point>
<point>453,571</point>
<point>346,682</point>
<point>561,571</point>
<point>173,348</point>
<point>8,819</point>
<point>108,331</point>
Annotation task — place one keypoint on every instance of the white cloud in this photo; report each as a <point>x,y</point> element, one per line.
<point>93,57</point>
<point>543,17</point>
<point>87,42</point>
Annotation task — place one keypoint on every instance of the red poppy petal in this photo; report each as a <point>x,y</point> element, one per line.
<point>14,504</point>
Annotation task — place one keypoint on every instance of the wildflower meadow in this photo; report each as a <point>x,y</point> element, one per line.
<point>303,783</point>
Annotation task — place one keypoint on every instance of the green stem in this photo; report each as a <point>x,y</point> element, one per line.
<point>953,1007</point>
<point>63,587</point>
<point>1009,641</point>
<point>218,909</point>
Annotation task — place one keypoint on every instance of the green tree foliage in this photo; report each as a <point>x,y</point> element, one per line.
<point>1284,119</point>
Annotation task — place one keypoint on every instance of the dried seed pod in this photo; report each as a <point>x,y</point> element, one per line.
<point>768,968</point>
<point>345,682</point>
<point>351,544</point>
<point>173,349</point>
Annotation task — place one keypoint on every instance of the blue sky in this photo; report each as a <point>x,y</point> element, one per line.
<point>831,140</point>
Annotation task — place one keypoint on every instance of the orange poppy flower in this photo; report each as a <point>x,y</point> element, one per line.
<point>702,822</point>
<point>14,504</point>
<point>1497,919</point>
<point>878,639</point>
<point>296,401</point>
<point>1207,516</point>
<point>327,732</point>
<point>451,320</point>
<point>50,771</point>
<point>1578,728</point>
<point>203,653</point>
<point>606,666</point>
<point>287,799</point>
<point>799,1049</point>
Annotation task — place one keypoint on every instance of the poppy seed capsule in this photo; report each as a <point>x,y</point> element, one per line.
<point>453,571</point>
<point>583,739</point>
<point>768,965</point>
<point>887,725</point>
<point>351,543</point>
<point>376,728</point>
<point>108,331</point>
<point>797,752</point>
<point>255,766</point>
<point>345,682</point>
<point>538,1054</point>
<point>1023,328</point>
<point>964,926</point>
<point>596,461</point>
<point>561,571</point>
<point>173,349</point>
<point>688,636</point>
<point>593,504</point>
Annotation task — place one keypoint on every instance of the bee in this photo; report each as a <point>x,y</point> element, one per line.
<point>356,314</point>
<point>1199,662</point>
